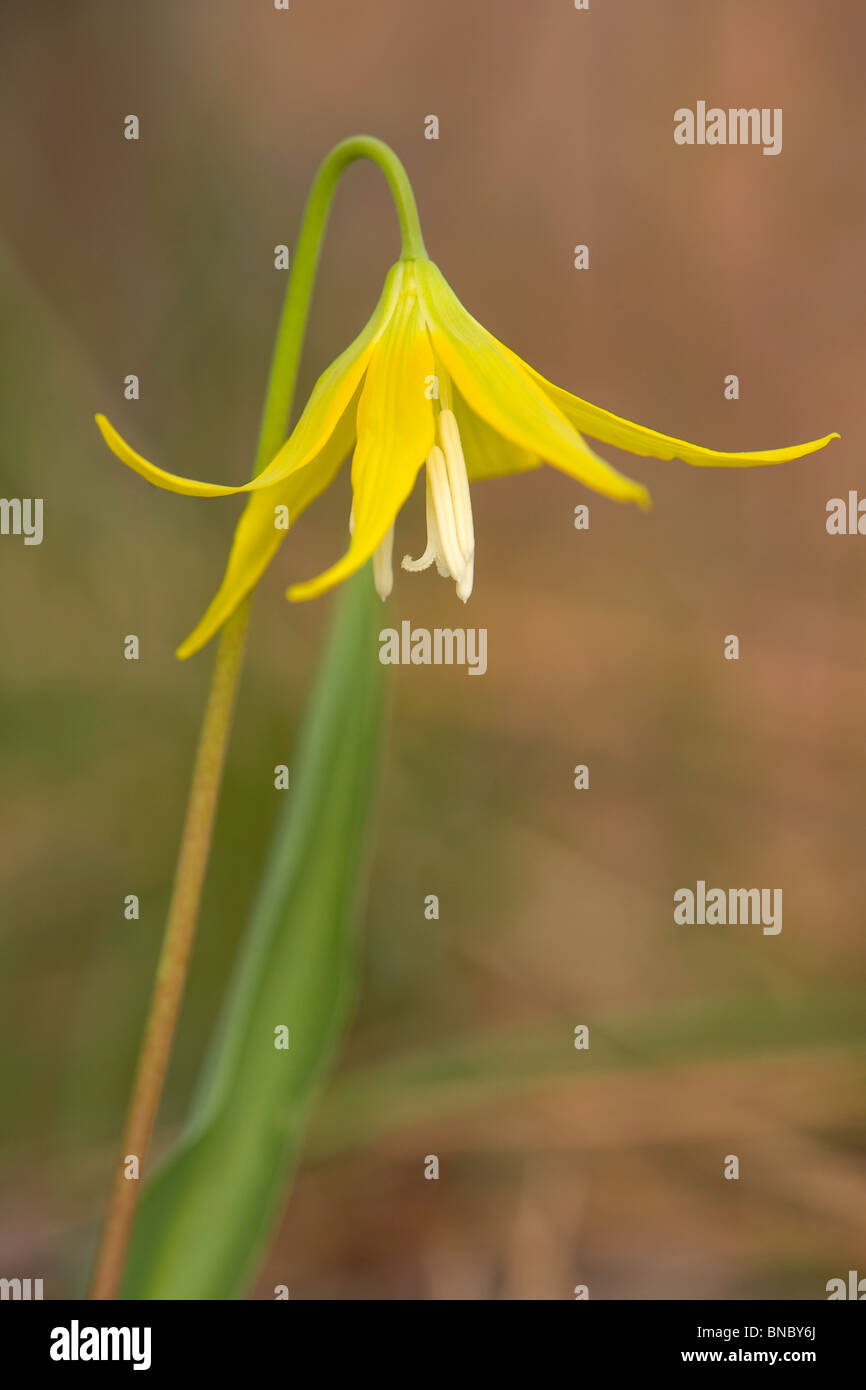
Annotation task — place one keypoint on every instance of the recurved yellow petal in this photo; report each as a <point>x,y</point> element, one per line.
<point>637,439</point>
<point>169,481</point>
<point>495,384</point>
<point>395,434</point>
<point>328,400</point>
<point>257,538</point>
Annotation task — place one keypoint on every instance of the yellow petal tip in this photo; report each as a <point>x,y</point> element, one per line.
<point>198,638</point>
<point>195,640</point>
<point>815,444</point>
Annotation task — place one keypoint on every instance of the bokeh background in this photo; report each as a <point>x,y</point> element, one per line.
<point>605,647</point>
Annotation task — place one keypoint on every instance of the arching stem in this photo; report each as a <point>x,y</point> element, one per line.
<point>173,965</point>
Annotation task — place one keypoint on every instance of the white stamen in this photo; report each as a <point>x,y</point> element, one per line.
<point>383,569</point>
<point>450,532</point>
<point>459,482</point>
<point>464,585</point>
<point>433,532</point>
<point>449,546</point>
<point>432,551</point>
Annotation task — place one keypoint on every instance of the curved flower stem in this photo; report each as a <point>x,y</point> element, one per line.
<point>290,334</point>
<point>204,792</point>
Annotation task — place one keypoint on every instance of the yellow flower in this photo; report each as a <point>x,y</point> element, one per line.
<point>423,383</point>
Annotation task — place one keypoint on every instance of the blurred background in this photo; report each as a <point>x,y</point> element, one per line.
<point>155,257</point>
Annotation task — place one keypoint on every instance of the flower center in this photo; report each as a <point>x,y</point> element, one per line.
<point>450,533</point>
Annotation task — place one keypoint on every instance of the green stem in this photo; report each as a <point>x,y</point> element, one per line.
<point>293,323</point>
<point>173,965</point>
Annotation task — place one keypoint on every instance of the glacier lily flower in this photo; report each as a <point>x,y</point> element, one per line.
<point>423,384</point>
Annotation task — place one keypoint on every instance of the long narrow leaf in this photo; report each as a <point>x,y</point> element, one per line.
<point>206,1216</point>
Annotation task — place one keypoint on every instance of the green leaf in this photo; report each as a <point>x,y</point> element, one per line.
<point>208,1212</point>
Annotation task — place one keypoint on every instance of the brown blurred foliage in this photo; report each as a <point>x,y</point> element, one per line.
<point>605,647</point>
